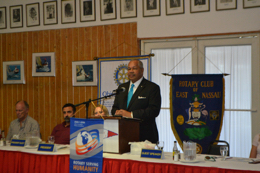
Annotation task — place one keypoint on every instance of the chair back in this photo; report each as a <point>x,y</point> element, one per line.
<point>214,147</point>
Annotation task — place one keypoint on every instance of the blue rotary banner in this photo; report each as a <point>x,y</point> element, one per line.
<point>86,145</point>
<point>197,106</point>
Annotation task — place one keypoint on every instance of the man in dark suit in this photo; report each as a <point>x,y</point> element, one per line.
<point>145,103</point>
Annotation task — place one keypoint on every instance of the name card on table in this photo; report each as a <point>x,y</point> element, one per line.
<point>47,147</point>
<point>17,142</point>
<point>148,153</point>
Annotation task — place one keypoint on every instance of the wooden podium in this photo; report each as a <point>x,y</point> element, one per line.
<point>118,132</point>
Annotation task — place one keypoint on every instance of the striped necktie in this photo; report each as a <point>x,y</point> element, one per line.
<point>130,94</point>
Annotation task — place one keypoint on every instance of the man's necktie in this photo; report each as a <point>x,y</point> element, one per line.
<point>130,94</point>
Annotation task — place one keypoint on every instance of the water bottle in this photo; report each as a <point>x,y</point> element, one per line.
<point>174,150</point>
<point>3,141</point>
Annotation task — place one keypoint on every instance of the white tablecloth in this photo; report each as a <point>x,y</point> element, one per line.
<point>231,163</point>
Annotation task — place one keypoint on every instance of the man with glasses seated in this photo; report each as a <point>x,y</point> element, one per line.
<point>23,124</point>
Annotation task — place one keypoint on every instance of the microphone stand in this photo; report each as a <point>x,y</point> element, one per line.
<point>89,101</point>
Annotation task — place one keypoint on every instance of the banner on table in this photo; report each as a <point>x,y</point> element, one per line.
<point>112,71</point>
<point>86,145</point>
<point>197,106</point>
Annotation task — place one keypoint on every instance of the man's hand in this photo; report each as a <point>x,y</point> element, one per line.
<point>124,113</point>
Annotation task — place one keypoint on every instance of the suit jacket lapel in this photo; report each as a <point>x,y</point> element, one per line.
<point>138,90</point>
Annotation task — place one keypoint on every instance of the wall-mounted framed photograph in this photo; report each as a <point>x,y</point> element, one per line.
<point>68,11</point>
<point>128,8</point>
<point>50,13</point>
<point>84,73</point>
<point>87,10</point>
<point>32,14</point>
<point>251,3</point>
<point>13,72</point>
<point>3,17</point>
<point>107,9</point>
<point>199,6</point>
<point>16,16</point>
<point>174,7</point>
<point>226,5</point>
<point>43,64</point>
<point>151,8</point>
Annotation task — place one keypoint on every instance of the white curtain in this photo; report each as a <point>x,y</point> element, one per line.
<point>234,60</point>
<point>164,61</point>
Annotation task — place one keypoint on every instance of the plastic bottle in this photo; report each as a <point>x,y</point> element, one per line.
<point>3,138</point>
<point>175,149</point>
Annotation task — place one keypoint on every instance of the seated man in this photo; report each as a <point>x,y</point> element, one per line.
<point>61,132</point>
<point>24,123</point>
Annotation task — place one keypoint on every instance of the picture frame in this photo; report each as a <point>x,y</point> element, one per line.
<point>43,64</point>
<point>32,14</point>
<point>84,73</point>
<point>199,6</point>
<point>128,9</point>
<point>3,24</point>
<point>174,7</point>
<point>68,11</point>
<point>16,16</point>
<point>251,3</point>
<point>50,13</point>
<point>151,8</point>
<point>13,72</point>
<point>87,10</point>
<point>107,9</point>
<point>226,5</point>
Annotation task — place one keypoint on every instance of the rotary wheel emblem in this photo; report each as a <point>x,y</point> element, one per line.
<point>120,75</point>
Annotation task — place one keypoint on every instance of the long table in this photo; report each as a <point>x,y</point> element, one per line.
<point>22,160</point>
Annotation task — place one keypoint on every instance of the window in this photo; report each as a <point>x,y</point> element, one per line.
<point>235,56</point>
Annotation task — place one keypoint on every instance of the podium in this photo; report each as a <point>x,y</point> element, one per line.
<point>118,132</point>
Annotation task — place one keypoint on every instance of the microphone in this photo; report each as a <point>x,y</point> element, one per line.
<point>119,90</point>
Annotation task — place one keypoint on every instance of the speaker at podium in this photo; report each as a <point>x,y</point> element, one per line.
<point>118,132</point>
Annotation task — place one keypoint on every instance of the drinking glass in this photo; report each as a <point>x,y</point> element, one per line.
<point>223,152</point>
<point>51,139</point>
<point>160,145</point>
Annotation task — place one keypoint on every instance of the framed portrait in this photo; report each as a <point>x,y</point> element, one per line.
<point>87,10</point>
<point>251,3</point>
<point>151,8</point>
<point>199,6</point>
<point>13,72</point>
<point>43,64</point>
<point>226,4</point>
<point>16,16</point>
<point>32,14</point>
<point>3,17</point>
<point>68,11</point>
<point>107,9</point>
<point>50,13</point>
<point>84,73</point>
<point>128,9</point>
<point>174,7</point>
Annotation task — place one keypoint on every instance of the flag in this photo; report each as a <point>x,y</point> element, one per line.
<point>197,106</point>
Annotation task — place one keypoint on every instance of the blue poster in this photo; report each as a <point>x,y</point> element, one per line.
<point>197,106</point>
<point>86,145</point>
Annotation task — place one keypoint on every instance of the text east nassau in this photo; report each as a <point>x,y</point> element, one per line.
<point>85,168</point>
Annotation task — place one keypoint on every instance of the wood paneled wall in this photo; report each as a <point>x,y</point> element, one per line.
<point>47,95</point>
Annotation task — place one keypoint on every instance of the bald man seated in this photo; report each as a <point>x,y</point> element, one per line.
<point>24,123</point>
